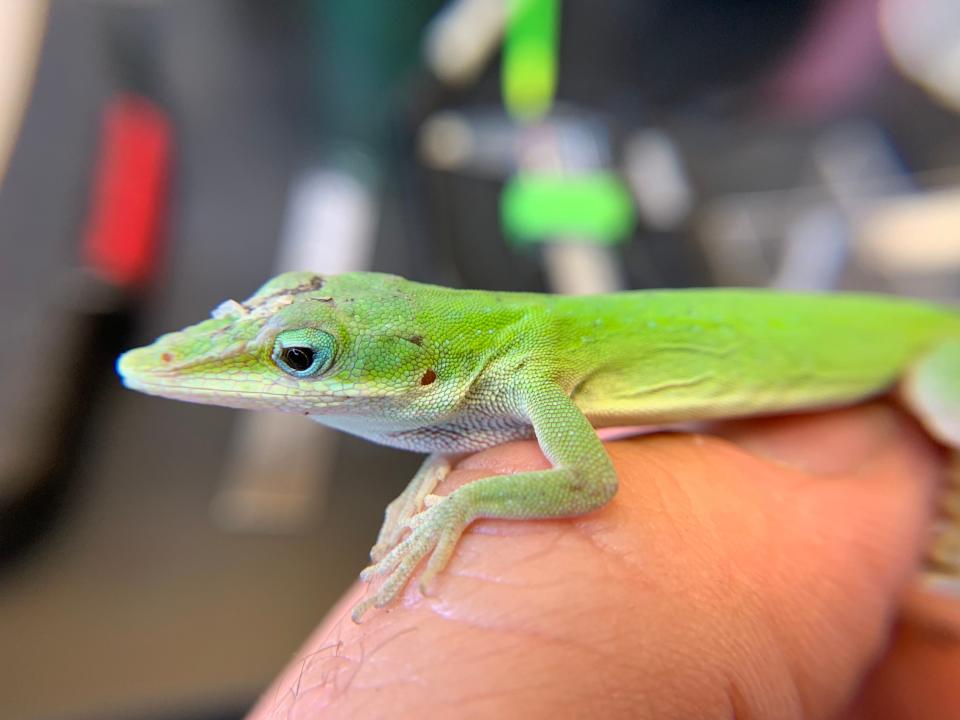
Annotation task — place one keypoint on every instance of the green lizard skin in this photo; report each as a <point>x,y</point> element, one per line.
<point>445,371</point>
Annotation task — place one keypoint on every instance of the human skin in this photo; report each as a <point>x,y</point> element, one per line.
<point>760,571</point>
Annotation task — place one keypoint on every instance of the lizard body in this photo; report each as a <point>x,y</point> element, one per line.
<point>445,371</point>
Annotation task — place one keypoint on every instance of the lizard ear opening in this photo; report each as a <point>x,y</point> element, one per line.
<point>304,353</point>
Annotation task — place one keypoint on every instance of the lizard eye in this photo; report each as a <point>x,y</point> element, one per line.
<point>297,358</point>
<point>304,353</point>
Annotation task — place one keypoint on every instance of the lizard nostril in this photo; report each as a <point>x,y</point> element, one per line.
<point>167,357</point>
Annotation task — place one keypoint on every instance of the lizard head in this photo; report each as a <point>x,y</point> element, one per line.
<point>302,343</point>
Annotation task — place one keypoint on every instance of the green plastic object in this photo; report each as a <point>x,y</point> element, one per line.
<point>587,208</point>
<point>529,67</point>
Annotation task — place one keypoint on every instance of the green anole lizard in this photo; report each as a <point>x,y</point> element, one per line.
<point>445,371</point>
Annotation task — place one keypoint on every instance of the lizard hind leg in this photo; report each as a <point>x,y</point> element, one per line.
<point>932,391</point>
<point>943,557</point>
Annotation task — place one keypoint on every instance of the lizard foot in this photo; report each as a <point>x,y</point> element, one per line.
<point>435,531</point>
<point>408,504</point>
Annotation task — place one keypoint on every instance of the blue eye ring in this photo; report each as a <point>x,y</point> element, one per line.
<point>304,353</point>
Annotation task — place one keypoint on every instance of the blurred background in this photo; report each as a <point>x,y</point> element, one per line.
<point>161,560</point>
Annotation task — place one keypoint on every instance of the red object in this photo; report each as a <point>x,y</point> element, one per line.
<point>129,191</point>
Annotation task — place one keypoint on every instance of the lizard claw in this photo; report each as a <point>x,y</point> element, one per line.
<point>378,551</point>
<point>433,532</point>
<point>397,515</point>
<point>394,555</point>
<point>409,504</point>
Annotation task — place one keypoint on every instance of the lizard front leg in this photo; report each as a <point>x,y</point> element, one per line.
<point>582,479</point>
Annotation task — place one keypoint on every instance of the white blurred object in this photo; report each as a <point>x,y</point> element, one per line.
<point>331,221</point>
<point>858,164</point>
<point>22,26</point>
<point>734,232</point>
<point>907,237</point>
<point>581,268</point>
<point>816,247</point>
<point>447,141</point>
<point>489,144</point>
<point>463,37</point>
<point>923,38</point>
<point>914,234</point>
<point>866,225</point>
<point>805,238</point>
<point>277,474</point>
<point>278,470</point>
<point>658,178</point>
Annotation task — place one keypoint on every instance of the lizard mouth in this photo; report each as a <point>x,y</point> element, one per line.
<point>138,372</point>
<point>210,394</point>
<point>226,391</point>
